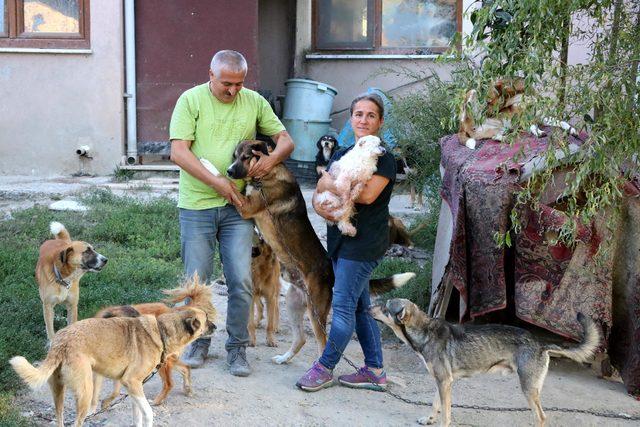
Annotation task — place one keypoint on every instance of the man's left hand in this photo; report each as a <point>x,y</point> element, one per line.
<point>263,166</point>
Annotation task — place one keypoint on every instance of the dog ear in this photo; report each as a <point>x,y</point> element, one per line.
<point>319,143</point>
<point>64,255</point>
<point>260,146</point>
<point>192,324</point>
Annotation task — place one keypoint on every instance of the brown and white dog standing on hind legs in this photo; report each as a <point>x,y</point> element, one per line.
<point>195,295</point>
<point>276,204</point>
<point>451,351</point>
<point>265,275</point>
<point>61,265</point>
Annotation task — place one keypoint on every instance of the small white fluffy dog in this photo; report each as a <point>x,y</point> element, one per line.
<point>350,174</point>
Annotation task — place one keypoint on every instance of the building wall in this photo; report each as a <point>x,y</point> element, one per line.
<point>353,76</point>
<point>276,31</point>
<point>52,103</point>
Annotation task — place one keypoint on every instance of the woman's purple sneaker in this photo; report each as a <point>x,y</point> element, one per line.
<point>316,378</point>
<point>365,378</point>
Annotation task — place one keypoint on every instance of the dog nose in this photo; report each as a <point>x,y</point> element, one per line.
<point>104,259</point>
<point>230,171</point>
<point>383,150</point>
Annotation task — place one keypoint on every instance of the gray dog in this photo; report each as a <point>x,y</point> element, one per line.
<point>454,351</point>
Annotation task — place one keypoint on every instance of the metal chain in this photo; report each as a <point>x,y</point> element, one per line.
<point>114,403</point>
<point>453,405</point>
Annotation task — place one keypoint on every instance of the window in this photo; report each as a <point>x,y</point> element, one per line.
<point>53,24</point>
<point>386,26</point>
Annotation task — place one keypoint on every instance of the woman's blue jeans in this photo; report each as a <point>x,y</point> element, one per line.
<point>351,312</point>
<point>199,231</point>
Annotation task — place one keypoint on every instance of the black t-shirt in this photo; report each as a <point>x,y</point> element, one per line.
<point>371,221</point>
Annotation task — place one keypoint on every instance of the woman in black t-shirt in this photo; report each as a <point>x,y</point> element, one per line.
<point>354,258</point>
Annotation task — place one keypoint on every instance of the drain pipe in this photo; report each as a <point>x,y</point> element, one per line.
<point>130,78</point>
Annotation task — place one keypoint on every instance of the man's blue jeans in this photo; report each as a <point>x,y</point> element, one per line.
<point>199,230</point>
<point>351,311</point>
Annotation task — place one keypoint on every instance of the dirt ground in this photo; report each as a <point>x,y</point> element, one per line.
<point>269,395</point>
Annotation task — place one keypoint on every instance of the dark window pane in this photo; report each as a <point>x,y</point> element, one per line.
<point>52,16</point>
<point>418,23</point>
<point>345,24</point>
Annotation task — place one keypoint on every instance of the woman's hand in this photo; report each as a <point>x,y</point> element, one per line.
<point>322,209</point>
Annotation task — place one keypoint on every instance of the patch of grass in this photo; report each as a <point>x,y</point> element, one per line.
<point>9,414</point>
<point>122,175</point>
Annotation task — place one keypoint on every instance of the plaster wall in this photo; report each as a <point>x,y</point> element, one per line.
<point>54,102</point>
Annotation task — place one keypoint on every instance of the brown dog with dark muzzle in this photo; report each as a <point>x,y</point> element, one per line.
<point>61,265</point>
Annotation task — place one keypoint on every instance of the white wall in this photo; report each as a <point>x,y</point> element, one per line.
<point>52,103</point>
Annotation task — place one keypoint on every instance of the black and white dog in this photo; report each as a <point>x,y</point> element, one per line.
<point>327,145</point>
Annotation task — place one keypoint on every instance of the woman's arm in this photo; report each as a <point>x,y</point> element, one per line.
<point>372,189</point>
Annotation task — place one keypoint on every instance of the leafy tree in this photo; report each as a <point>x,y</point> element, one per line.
<point>530,39</point>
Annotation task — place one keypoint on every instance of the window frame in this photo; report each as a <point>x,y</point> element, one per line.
<point>18,38</point>
<point>377,49</point>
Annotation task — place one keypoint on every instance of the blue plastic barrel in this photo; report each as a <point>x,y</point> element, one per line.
<point>305,134</point>
<point>307,107</point>
<point>308,100</point>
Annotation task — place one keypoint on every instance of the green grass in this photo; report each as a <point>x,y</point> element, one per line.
<point>10,415</point>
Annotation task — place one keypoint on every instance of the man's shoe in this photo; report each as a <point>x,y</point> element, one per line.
<point>196,354</point>
<point>237,362</point>
<point>365,378</point>
<point>316,378</point>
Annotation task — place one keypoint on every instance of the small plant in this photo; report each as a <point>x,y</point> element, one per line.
<point>122,175</point>
<point>418,121</point>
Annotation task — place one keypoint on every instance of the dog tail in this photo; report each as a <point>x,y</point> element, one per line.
<point>36,377</point>
<point>583,351</point>
<point>191,289</point>
<point>59,230</point>
<point>386,284</point>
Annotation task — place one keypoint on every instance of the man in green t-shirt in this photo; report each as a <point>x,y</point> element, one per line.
<point>208,122</point>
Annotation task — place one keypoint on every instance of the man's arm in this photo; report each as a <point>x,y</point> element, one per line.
<point>284,148</point>
<point>182,156</point>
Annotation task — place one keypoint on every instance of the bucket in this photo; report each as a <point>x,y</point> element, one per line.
<point>308,100</point>
<point>305,134</point>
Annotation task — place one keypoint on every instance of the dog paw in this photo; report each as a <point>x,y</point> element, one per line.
<point>187,390</point>
<point>281,359</point>
<point>272,343</point>
<point>471,143</point>
<point>427,421</point>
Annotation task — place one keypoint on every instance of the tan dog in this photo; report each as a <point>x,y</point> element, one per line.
<point>265,273</point>
<point>61,264</point>
<point>120,348</point>
<point>196,295</point>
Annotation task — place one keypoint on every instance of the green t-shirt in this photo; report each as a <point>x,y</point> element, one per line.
<point>215,129</point>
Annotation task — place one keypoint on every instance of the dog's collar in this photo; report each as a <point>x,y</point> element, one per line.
<point>256,183</point>
<point>59,279</point>
<point>163,338</point>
